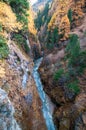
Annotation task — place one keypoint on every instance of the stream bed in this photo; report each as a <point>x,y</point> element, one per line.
<point>47,105</point>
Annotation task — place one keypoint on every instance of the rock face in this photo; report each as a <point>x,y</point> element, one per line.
<point>7,120</point>
<point>17,80</point>
<point>16,77</point>
<point>70,112</point>
<point>65,15</point>
<point>60,9</point>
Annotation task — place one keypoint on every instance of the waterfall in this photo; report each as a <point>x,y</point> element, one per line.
<point>28,43</point>
<point>45,101</point>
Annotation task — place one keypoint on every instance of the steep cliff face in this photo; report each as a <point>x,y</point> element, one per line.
<point>65,83</point>
<point>16,79</point>
<point>65,16</point>
<point>16,66</point>
<point>33,38</point>
<point>8,19</point>
<point>67,92</point>
<point>59,12</point>
<point>59,18</point>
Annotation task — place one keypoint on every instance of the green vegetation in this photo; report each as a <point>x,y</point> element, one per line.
<point>76,57</point>
<point>52,38</point>
<point>49,41</point>
<point>73,50</point>
<point>85,33</point>
<point>70,15</point>
<point>0,27</point>
<point>4,51</point>
<point>76,63</point>
<point>38,21</point>
<point>58,74</point>
<point>21,41</point>
<point>74,87</point>
<point>81,62</point>
<point>42,17</point>
<point>20,8</point>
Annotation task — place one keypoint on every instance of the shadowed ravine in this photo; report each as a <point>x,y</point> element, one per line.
<point>46,104</point>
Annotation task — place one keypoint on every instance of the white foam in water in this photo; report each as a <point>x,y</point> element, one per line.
<point>25,78</point>
<point>47,111</point>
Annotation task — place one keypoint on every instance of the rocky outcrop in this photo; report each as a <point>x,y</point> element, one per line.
<point>72,116</point>
<point>66,16</point>
<point>16,74</point>
<point>70,108</point>
<point>8,19</point>
<point>7,120</point>
<point>17,80</point>
<point>59,12</point>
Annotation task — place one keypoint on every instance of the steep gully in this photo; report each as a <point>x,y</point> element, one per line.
<point>47,105</point>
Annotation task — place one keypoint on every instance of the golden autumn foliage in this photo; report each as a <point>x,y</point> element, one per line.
<point>65,27</point>
<point>8,18</point>
<point>59,11</point>
<point>59,18</point>
<point>31,25</point>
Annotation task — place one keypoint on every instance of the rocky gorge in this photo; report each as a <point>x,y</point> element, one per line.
<point>20,104</point>
<point>21,91</point>
<point>58,74</point>
<point>43,65</point>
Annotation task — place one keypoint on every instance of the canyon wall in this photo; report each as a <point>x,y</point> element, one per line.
<point>20,105</point>
<point>63,15</point>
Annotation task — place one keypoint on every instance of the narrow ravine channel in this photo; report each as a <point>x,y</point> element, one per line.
<point>46,109</point>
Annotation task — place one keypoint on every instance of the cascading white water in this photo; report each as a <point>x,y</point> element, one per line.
<point>24,67</point>
<point>45,102</point>
<point>28,43</point>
